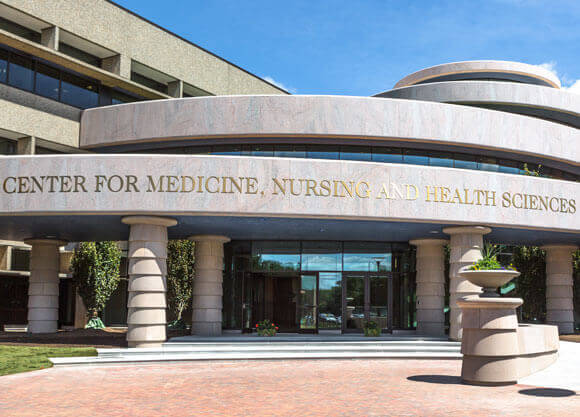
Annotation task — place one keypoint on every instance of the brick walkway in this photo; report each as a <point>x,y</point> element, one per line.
<point>275,388</point>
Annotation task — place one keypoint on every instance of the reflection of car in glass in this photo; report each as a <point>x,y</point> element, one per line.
<point>327,317</point>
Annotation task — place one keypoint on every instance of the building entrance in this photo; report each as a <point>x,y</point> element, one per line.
<point>313,287</point>
<point>318,301</point>
<point>367,296</point>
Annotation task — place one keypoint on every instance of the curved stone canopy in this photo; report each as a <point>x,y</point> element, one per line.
<point>548,103</point>
<point>350,119</point>
<point>500,70</point>
<point>86,195</point>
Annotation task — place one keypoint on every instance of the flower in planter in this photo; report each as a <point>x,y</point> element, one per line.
<point>371,328</point>
<point>489,261</point>
<point>266,328</point>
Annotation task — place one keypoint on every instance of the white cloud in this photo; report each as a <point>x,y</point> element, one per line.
<point>279,84</point>
<point>574,87</point>
<point>568,84</point>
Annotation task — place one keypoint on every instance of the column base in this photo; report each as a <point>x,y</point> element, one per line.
<point>206,329</point>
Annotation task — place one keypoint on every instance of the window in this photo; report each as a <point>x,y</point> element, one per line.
<point>21,72</point>
<point>19,30</point>
<point>118,97</point>
<point>7,147</point>
<point>275,256</point>
<point>388,155</point>
<point>79,54</point>
<point>321,256</point>
<point>441,159</point>
<point>364,256</point>
<point>355,153</point>
<point>465,161</point>
<point>148,82</point>
<point>416,157</point>
<point>290,151</point>
<point>20,260</point>
<point>322,152</point>
<point>79,92</point>
<point>3,66</point>
<point>47,81</point>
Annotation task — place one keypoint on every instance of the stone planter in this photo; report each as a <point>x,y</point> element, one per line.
<point>489,279</point>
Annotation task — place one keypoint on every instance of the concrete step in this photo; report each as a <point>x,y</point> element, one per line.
<point>130,358</point>
<point>175,352</point>
<point>170,350</point>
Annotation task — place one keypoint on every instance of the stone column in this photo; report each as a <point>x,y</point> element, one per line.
<point>43,285</point>
<point>26,146</point>
<point>175,88</point>
<point>50,37</point>
<point>559,281</point>
<point>430,286</point>
<point>465,245</point>
<point>146,318</point>
<point>207,286</point>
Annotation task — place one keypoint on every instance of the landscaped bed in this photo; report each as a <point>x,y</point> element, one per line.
<point>15,359</point>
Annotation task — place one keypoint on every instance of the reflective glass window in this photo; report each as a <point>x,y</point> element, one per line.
<point>21,72</point>
<point>322,152</point>
<point>509,167</point>
<point>118,97</point>
<point>321,256</point>
<point>275,256</point>
<point>364,256</point>
<point>290,151</point>
<point>465,161</point>
<point>3,66</point>
<point>389,155</point>
<point>355,153</point>
<point>262,150</point>
<point>329,300</point>
<point>7,147</point>
<point>78,91</point>
<point>488,164</point>
<point>47,81</point>
<point>415,157</point>
<point>226,150</point>
<point>441,159</point>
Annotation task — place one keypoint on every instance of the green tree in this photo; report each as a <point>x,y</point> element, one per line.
<point>530,261</point>
<point>180,273</point>
<point>95,270</point>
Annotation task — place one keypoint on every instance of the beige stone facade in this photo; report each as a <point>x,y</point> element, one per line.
<point>319,213</point>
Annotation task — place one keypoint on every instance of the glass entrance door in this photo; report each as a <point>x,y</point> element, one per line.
<point>354,302</point>
<point>366,296</point>
<point>307,309</point>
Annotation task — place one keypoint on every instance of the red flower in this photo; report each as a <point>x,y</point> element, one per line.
<point>276,328</point>
<point>256,324</point>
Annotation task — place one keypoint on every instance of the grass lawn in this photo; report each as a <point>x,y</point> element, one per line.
<point>14,359</point>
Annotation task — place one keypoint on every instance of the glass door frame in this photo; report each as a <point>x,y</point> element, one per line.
<point>299,304</point>
<point>367,298</point>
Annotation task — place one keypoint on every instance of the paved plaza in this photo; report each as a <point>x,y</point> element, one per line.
<point>274,388</point>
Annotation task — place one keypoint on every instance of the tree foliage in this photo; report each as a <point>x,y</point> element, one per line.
<point>180,273</point>
<point>530,261</point>
<point>95,271</point>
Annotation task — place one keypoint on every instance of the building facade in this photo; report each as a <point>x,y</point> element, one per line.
<point>316,212</point>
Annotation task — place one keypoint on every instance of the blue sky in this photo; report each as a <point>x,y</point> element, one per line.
<point>364,47</point>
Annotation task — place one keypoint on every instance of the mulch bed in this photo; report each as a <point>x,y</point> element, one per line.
<point>105,338</point>
<point>571,338</point>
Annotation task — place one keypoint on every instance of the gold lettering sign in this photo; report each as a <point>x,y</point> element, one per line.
<point>288,187</point>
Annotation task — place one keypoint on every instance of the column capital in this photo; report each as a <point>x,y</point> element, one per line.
<point>44,241</point>
<point>472,230</point>
<point>428,242</point>
<point>151,220</point>
<point>209,238</point>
